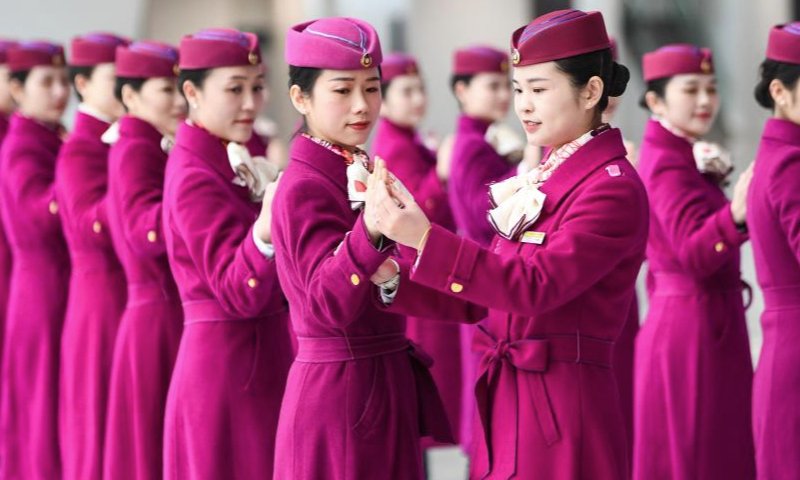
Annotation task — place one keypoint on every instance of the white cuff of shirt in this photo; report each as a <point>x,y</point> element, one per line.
<point>389,288</point>
<point>265,248</point>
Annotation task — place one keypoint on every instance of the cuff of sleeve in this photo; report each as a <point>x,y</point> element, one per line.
<point>365,256</point>
<point>256,261</point>
<point>265,248</point>
<point>727,228</point>
<point>437,259</point>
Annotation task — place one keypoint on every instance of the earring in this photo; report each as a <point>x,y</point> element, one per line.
<point>193,105</point>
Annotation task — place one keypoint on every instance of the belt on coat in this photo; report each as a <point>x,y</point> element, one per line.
<point>680,284</point>
<point>142,293</point>
<point>779,298</point>
<point>500,361</point>
<point>432,417</point>
<point>209,310</point>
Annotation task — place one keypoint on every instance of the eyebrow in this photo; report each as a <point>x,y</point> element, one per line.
<point>351,79</point>
<point>261,76</point>
<point>533,80</point>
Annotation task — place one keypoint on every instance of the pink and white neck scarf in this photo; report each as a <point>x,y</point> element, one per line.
<point>517,202</point>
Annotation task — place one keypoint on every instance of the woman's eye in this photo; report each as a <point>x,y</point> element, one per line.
<point>372,89</point>
<point>538,90</point>
<point>236,90</point>
<point>517,90</point>
<point>258,88</point>
<point>342,91</point>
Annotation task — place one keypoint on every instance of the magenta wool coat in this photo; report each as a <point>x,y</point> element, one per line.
<point>37,301</point>
<point>415,165</point>
<point>234,355</point>
<point>5,260</point>
<point>547,400</point>
<point>150,330</point>
<point>359,395</point>
<point>97,296</point>
<point>475,164</point>
<point>773,213</point>
<point>693,368</point>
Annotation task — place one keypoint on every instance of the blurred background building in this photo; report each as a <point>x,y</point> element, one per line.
<point>736,30</point>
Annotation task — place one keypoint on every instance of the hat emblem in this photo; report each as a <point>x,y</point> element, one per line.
<point>514,57</point>
<point>176,69</point>
<point>366,60</point>
<point>58,60</point>
<point>252,58</point>
<point>705,66</point>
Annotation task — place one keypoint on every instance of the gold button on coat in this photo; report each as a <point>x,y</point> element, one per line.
<point>97,226</point>
<point>53,207</point>
<point>252,283</point>
<point>456,287</point>
<point>719,247</point>
<point>151,236</point>
<point>354,279</point>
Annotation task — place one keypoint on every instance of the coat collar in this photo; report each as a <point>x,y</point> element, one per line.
<point>208,148</point>
<point>133,127</point>
<point>782,131</point>
<point>46,136</point>
<point>321,159</point>
<point>467,124</point>
<point>87,125</point>
<point>597,152</point>
<point>659,136</point>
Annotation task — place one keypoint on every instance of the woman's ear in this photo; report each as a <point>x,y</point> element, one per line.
<point>779,93</point>
<point>592,92</point>
<point>191,92</point>
<point>654,102</point>
<point>299,99</point>
<point>129,97</point>
<point>460,90</point>
<point>17,90</point>
<point>81,81</point>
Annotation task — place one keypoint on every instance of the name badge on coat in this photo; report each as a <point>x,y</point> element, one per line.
<point>536,238</point>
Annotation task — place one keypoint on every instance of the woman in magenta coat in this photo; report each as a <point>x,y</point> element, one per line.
<point>773,213</point>
<point>97,286</point>
<point>398,143</point>
<point>6,109</point>
<point>693,369</point>
<point>40,275</point>
<point>150,329</point>
<point>571,238</point>
<point>480,84</point>
<point>359,394</point>
<point>225,394</point>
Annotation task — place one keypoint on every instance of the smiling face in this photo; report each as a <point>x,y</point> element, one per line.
<point>405,101</point>
<point>690,103</point>
<point>44,95</point>
<point>228,102</point>
<point>552,110</point>
<point>488,96</point>
<point>342,106</point>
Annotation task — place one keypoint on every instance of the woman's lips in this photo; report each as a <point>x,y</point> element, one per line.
<point>245,121</point>
<point>359,126</point>
<point>531,127</point>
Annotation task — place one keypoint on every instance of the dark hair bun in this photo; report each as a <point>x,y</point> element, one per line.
<point>619,79</point>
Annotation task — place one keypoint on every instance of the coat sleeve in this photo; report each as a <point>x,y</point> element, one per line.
<point>328,255</point>
<point>784,195</point>
<point>141,194</point>
<point>605,226</point>
<point>33,192</point>
<point>416,300</point>
<point>221,245</point>
<point>82,184</point>
<point>704,237</point>
<point>487,168</point>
